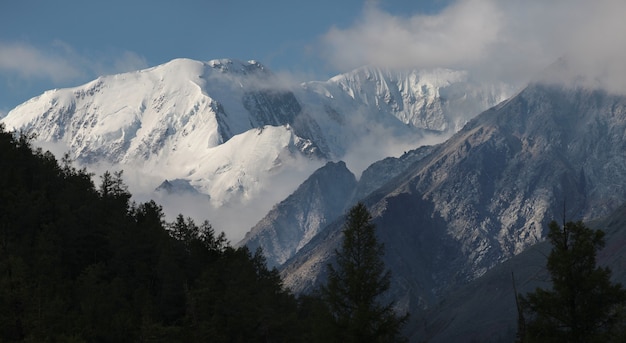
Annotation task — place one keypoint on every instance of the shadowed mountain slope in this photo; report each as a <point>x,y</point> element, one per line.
<point>487,193</point>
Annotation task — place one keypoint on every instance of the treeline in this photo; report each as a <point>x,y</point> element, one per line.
<point>80,263</point>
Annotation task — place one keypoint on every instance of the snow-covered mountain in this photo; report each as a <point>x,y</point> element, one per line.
<point>392,111</point>
<point>438,100</point>
<point>238,134</point>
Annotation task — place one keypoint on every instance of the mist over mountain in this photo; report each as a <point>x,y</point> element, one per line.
<point>239,134</point>
<point>488,192</point>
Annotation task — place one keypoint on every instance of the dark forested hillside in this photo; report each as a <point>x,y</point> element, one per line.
<point>82,263</point>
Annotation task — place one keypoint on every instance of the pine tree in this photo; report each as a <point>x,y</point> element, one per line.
<point>583,305</point>
<point>356,283</point>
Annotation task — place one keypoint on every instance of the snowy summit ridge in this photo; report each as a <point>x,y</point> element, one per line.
<point>234,131</point>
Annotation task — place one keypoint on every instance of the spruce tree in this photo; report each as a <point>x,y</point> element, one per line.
<point>583,305</point>
<point>355,284</point>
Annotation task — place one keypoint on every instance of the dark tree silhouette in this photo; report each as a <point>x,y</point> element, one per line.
<point>583,305</point>
<point>84,264</point>
<point>356,283</point>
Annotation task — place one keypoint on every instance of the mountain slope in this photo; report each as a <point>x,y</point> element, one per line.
<point>486,194</point>
<point>381,172</point>
<point>320,199</point>
<point>298,218</point>
<point>484,310</point>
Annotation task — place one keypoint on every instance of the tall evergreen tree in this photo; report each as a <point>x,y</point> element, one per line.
<point>583,305</point>
<point>356,283</point>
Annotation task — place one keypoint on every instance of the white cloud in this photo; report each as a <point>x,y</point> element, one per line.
<point>381,142</point>
<point>61,63</point>
<point>504,40</point>
<point>234,218</point>
<point>57,148</point>
<point>30,62</point>
<point>128,61</point>
<point>439,40</point>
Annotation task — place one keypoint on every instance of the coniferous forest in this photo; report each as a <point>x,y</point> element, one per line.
<point>82,263</point>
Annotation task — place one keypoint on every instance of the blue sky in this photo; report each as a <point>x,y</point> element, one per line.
<point>51,44</point>
<point>47,44</point>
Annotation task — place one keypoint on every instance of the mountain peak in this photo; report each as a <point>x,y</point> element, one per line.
<point>434,77</point>
<point>237,66</point>
<point>419,98</point>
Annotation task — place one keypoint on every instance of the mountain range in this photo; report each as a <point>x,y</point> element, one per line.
<point>461,178</point>
<point>487,193</point>
<point>239,134</point>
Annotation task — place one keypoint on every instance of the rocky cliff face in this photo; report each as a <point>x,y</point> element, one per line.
<point>487,193</point>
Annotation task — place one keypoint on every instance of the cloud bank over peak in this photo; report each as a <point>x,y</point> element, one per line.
<point>461,32</point>
<point>61,63</point>
<point>510,41</point>
<point>30,62</point>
